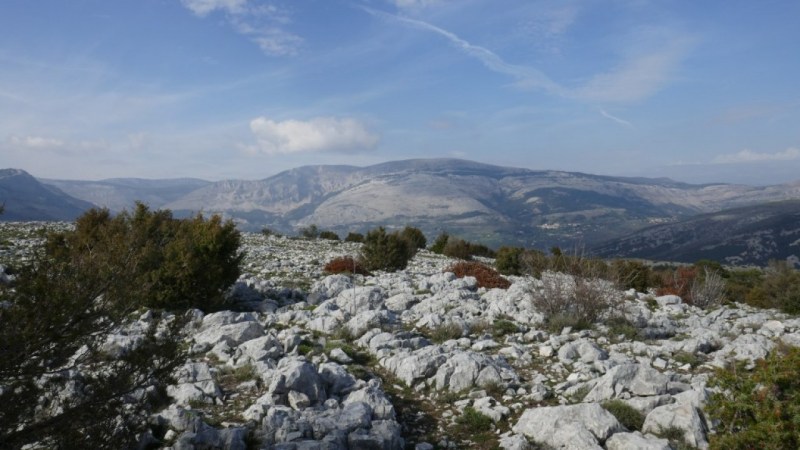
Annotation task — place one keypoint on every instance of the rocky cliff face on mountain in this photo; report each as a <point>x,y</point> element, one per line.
<point>750,235</point>
<point>416,359</point>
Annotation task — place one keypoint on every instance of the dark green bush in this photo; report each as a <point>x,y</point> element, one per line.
<point>310,232</point>
<point>415,236</point>
<point>508,260</point>
<point>329,235</point>
<point>461,249</point>
<point>354,237</point>
<point>474,420</point>
<point>173,264</point>
<point>758,409</point>
<point>631,274</point>
<point>440,243</point>
<point>83,285</point>
<point>386,251</point>
<point>457,248</point>
<point>780,288</point>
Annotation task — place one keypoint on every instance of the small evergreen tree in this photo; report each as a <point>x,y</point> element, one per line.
<point>415,236</point>
<point>354,237</point>
<point>386,251</point>
<point>440,243</point>
<point>509,260</point>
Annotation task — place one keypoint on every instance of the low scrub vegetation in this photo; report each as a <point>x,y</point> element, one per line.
<point>82,286</point>
<point>345,264</point>
<point>485,275</point>
<point>386,251</point>
<point>459,248</point>
<point>354,237</point>
<point>626,414</point>
<point>758,409</point>
<point>574,301</point>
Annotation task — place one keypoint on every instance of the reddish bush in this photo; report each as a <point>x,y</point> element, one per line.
<point>345,264</point>
<point>678,282</point>
<point>486,276</point>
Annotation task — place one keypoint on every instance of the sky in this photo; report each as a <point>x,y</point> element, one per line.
<point>698,91</point>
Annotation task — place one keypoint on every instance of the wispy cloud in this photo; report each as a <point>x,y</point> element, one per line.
<point>415,4</point>
<point>748,156</point>
<point>320,134</point>
<point>636,78</point>
<point>525,76</point>
<point>263,24</point>
<point>37,143</point>
<point>615,118</point>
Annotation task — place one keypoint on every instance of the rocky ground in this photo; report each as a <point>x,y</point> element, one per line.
<point>420,359</point>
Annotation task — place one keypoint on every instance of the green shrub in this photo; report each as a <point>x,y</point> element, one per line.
<point>780,288</point>
<point>508,260</point>
<point>85,284</point>
<point>270,232</point>
<point>631,274</point>
<point>329,235</point>
<point>534,262</point>
<point>475,421</point>
<point>415,236</point>
<point>626,414</point>
<point>758,409</point>
<point>173,264</point>
<point>457,248</point>
<point>384,251</point>
<point>440,243</point>
<point>503,327</point>
<point>354,237</point>
<point>310,232</point>
<point>444,332</point>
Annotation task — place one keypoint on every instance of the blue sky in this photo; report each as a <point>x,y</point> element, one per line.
<point>698,91</point>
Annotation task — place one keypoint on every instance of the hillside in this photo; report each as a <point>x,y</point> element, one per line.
<point>492,204</point>
<point>419,358</point>
<point>750,235</point>
<point>117,194</point>
<point>25,198</point>
<point>480,202</point>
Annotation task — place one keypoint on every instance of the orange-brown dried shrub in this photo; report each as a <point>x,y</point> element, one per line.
<point>678,282</point>
<point>486,276</point>
<point>345,264</point>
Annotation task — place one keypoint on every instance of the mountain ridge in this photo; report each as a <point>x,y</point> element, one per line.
<point>492,204</point>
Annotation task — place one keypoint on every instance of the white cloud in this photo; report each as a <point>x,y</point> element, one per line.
<point>320,134</point>
<point>35,142</point>
<point>746,156</point>
<point>264,24</point>
<point>203,7</point>
<point>415,4</point>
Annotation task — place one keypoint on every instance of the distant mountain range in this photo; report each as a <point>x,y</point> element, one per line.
<point>750,235</point>
<point>490,204</point>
